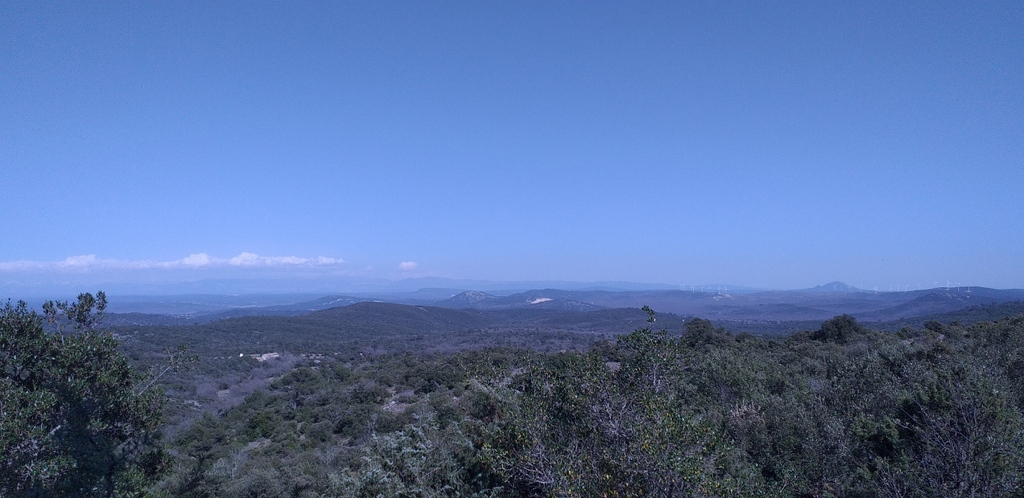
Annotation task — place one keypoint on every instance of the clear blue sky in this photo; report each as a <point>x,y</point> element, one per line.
<point>772,144</point>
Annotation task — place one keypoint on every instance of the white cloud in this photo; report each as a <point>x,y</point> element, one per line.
<point>21,265</point>
<point>195,260</point>
<point>286,260</point>
<point>89,262</point>
<point>80,261</point>
<point>408,265</point>
<point>245,259</point>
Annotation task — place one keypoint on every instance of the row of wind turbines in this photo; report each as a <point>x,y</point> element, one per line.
<point>935,285</point>
<point>721,289</point>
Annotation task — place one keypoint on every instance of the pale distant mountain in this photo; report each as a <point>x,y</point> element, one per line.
<point>549,299</point>
<point>815,304</point>
<point>835,287</point>
<point>408,288</point>
<point>467,299</point>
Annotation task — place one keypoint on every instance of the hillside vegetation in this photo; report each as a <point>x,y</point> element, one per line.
<point>392,408</point>
<point>839,411</point>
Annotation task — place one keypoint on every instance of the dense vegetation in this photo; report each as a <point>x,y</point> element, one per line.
<point>75,418</point>
<point>838,411</point>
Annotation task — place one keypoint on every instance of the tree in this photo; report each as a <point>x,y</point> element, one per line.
<point>959,436</point>
<point>573,425</point>
<point>75,418</point>
<point>841,329</point>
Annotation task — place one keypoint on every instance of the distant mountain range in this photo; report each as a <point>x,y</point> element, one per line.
<point>818,303</point>
<point>764,307</point>
<point>125,285</point>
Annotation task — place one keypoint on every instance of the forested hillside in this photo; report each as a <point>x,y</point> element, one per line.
<point>840,410</point>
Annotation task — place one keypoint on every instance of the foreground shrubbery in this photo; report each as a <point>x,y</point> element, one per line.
<point>841,411</point>
<point>75,418</point>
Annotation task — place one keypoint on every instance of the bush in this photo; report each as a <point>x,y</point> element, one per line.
<point>77,419</point>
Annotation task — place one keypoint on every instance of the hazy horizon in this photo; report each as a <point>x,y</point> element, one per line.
<point>154,281</point>
<point>782,146</point>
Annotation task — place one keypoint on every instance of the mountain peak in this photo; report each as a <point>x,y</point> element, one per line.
<point>467,298</point>
<point>835,286</point>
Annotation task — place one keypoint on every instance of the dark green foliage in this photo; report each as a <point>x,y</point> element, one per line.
<point>700,331</point>
<point>841,411</point>
<point>76,420</point>
<point>841,329</point>
<point>576,425</point>
<point>962,434</point>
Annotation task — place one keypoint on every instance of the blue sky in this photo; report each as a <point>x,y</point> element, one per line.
<point>768,144</point>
